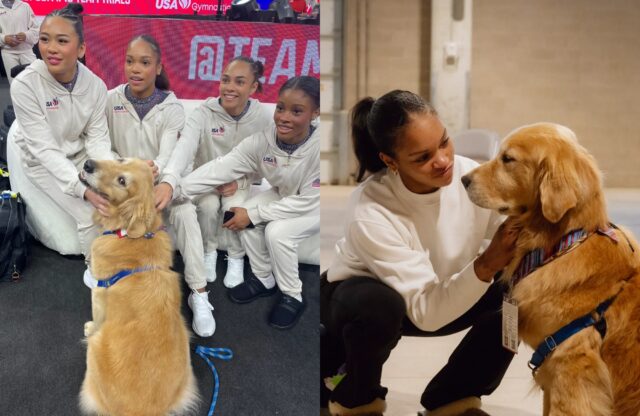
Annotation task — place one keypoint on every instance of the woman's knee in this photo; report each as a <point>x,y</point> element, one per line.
<point>370,301</point>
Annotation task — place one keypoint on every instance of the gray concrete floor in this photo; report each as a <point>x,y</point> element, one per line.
<point>415,360</point>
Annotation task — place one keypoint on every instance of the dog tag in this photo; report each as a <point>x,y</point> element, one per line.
<point>510,324</point>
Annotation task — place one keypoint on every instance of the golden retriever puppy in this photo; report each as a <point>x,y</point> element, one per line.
<point>138,360</point>
<point>546,180</point>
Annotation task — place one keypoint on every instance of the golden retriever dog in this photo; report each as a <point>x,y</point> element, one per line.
<point>552,186</point>
<point>138,360</point>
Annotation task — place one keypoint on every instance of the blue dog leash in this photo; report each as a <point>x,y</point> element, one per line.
<point>221,353</point>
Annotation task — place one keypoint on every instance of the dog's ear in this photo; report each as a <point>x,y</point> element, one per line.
<point>140,212</point>
<point>557,191</point>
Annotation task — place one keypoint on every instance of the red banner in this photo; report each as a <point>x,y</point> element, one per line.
<point>133,7</point>
<point>194,52</point>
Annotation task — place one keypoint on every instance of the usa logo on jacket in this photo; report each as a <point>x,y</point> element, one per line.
<point>217,132</point>
<point>119,109</point>
<point>270,160</point>
<point>53,104</point>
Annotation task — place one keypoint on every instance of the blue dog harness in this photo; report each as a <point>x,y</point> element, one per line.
<point>538,258</point>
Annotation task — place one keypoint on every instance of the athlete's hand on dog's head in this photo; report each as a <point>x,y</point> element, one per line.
<point>163,193</point>
<point>240,220</point>
<point>500,251</point>
<point>154,168</point>
<point>100,203</point>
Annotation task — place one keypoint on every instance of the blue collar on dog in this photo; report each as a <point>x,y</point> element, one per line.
<point>550,343</point>
<point>121,275</point>
<point>122,232</point>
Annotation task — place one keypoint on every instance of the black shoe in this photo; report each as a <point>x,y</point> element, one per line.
<point>249,290</point>
<point>286,312</point>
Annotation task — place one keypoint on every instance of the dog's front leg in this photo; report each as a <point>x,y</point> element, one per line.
<point>98,299</point>
<point>575,379</point>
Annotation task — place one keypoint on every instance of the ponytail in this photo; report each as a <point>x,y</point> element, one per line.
<point>376,126</point>
<point>162,81</point>
<point>364,146</point>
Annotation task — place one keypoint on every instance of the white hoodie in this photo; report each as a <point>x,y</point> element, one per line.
<point>296,177</point>
<point>210,132</point>
<point>19,18</point>
<point>56,128</point>
<point>422,246</point>
<point>153,138</point>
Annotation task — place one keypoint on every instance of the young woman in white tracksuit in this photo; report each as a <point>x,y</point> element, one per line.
<point>211,131</point>
<point>18,34</point>
<point>144,117</point>
<point>288,156</point>
<point>59,106</point>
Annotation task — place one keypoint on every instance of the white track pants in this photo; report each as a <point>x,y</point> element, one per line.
<point>10,59</point>
<point>272,246</point>
<point>196,226</point>
<point>79,209</point>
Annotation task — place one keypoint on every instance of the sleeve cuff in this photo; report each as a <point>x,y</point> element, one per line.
<point>80,189</point>
<point>254,215</point>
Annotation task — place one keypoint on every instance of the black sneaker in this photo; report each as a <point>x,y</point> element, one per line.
<point>286,312</point>
<point>249,290</point>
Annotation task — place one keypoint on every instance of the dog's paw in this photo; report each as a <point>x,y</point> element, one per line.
<point>88,328</point>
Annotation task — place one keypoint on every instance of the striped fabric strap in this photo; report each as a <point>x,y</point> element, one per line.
<point>539,257</point>
<point>222,353</point>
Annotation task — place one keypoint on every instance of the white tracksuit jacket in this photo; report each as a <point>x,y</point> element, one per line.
<point>295,177</point>
<point>19,18</point>
<point>56,128</point>
<point>210,132</point>
<point>152,138</point>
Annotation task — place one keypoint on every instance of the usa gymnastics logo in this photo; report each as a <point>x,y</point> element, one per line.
<point>172,4</point>
<point>270,160</point>
<point>217,131</point>
<point>119,109</point>
<point>53,104</point>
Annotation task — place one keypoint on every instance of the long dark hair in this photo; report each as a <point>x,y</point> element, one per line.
<point>309,85</point>
<point>162,80</point>
<point>257,68</point>
<point>377,124</point>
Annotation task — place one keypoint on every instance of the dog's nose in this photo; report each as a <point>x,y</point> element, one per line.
<point>89,166</point>
<point>466,181</point>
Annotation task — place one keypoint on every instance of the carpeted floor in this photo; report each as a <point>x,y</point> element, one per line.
<point>42,356</point>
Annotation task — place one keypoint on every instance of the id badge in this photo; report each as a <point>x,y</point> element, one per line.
<point>510,324</point>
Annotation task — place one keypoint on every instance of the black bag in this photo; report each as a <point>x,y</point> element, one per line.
<point>13,232</point>
<point>4,132</point>
<point>5,183</point>
<point>9,116</point>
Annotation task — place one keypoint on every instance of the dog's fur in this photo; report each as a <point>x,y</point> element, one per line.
<point>552,186</point>
<point>138,360</point>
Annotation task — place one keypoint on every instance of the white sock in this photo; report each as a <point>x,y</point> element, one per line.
<point>296,296</point>
<point>268,281</point>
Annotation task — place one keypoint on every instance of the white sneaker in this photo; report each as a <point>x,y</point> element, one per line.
<point>89,280</point>
<point>235,272</point>
<point>210,260</point>
<point>203,323</point>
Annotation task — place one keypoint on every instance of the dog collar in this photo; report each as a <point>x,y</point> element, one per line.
<point>92,282</point>
<point>539,257</point>
<point>122,232</point>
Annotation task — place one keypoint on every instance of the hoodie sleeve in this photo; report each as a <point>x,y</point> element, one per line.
<point>174,123</point>
<point>33,33</point>
<point>96,132</point>
<point>305,202</point>
<point>432,301</point>
<point>40,142</point>
<point>234,165</point>
<point>185,149</point>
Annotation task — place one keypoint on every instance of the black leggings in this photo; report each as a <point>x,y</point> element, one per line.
<point>363,320</point>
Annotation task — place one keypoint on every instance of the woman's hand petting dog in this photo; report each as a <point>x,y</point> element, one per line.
<point>239,221</point>
<point>500,251</point>
<point>154,168</point>
<point>163,192</point>
<point>228,189</point>
<point>100,203</point>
